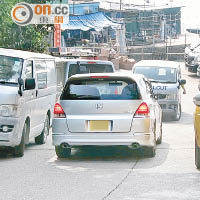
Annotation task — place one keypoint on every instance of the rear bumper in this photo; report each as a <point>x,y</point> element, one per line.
<point>104,139</point>
<point>192,68</point>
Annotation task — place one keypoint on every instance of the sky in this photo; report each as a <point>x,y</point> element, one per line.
<point>191,14</point>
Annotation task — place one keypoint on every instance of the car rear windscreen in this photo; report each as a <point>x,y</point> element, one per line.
<point>89,68</point>
<point>101,89</point>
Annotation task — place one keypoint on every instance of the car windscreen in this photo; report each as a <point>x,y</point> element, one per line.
<point>10,69</point>
<point>197,49</point>
<point>89,68</point>
<point>101,89</point>
<point>194,45</point>
<point>158,74</point>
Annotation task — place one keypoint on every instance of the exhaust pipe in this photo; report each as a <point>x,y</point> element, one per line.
<point>65,145</point>
<point>135,145</point>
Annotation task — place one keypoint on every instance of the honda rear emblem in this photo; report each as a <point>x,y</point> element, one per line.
<point>99,106</point>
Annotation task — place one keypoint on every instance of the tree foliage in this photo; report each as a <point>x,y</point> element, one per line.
<point>30,37</point>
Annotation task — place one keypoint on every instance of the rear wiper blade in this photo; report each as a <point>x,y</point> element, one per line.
<point>87,97</point>
<point>7,82</point>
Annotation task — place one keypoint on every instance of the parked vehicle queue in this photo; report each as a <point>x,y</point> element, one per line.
<point>29,88</point>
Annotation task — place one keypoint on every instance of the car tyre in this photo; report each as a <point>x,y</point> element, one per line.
<point>62,152</point>
<point>177,115</point>
<point>159,140</point>
<point>197,155</point>
<point>149,152</point>
<point>42,138</point>
<point>19,149</point>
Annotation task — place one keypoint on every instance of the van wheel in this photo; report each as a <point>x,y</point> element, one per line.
<point>62,152</point>
<point>197,155</point>
<point>42,138</point>
<point>177,115</point>
<point>19,149</point>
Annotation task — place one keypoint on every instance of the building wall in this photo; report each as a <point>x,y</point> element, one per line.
<point>149,22</point>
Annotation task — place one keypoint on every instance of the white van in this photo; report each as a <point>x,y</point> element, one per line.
<point>65,68</point>
<point>28,94</point>
<point>165,77</point>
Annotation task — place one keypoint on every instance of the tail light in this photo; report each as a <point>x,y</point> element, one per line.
<point>143,110</point>
<point>91,62</point>
<point>58,111</point>
<point>99,76</point>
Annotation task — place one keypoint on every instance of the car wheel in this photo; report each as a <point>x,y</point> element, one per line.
<point>177,115</point>
<point>62,152</point>
<point>149,151</point>
<point>19,149</point>
<point>197,155</point>
<point>42,138</point>
<point>159,140</point>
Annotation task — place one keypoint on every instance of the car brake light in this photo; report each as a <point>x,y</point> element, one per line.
<point>99,76</point>
<point>58,111</point>
<point>143,110</point>
<point>91,62</point>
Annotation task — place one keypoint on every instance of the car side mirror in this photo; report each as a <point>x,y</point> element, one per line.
<point>196,100</point>
<point>182,82</point>
<point>30,84</point>
<point>154,96</point>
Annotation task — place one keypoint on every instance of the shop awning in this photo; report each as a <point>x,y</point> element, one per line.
<point>96,21</point>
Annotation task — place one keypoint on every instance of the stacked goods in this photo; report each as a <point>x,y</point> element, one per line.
<point>104,54</point>
<point>126,63</point>
<point>115,61</point>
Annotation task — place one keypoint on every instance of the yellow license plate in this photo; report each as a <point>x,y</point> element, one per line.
<point>99,125</point>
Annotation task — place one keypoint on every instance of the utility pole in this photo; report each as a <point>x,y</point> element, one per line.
<point>120,8</point>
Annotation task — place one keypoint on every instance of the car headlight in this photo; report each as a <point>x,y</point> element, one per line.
<point>8,111</point>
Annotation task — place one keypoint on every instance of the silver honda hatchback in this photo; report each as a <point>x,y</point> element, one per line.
<point>107,109</point>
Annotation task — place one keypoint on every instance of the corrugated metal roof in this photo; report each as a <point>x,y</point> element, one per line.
<point>96,21</point>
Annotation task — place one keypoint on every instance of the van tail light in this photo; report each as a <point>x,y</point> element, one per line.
<point>142,111</point>
<point>58,111</point>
